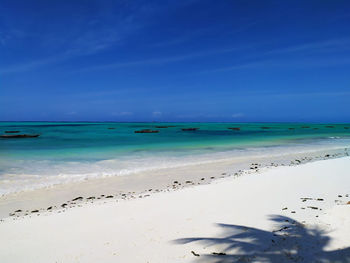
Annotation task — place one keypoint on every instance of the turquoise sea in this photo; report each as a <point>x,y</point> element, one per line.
<point>67,151</point>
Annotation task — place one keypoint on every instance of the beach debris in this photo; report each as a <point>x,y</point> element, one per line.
<point>194,254</point>
<point>281,229</point>
<point>264,127</point>
<point>285,208</point>
<point>329,126</point>
<point>109,196</point>
<point>35,211</point>
<point>189,129</point>
<point>313,207</point>
<point>176,182</point>
<point>11,131</point>
<point>348,203</point>
<point>11,136</point>
<point>293,212</point>
<point>188,182</point>
<point>78,198</point>
<point>91,197</point>
<point>303,199</point>
<point>219,253</point>
<point>340,196</point>
<point>212,177</point>
<point>319,199</point>
<point>305,127</point>
<point>18,211</point>
<point>234,128</point>
<point>146,131</point>
<point>64,205</point>
<point>49,208</point>
<point>202,179</point>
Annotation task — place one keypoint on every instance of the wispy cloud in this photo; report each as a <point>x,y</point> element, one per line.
<point>81,39</point>
<point>332,45</point>
<point>164,60</point>
<point>297,56</point>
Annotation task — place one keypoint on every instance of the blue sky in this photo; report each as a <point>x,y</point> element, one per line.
<point>175,60</point>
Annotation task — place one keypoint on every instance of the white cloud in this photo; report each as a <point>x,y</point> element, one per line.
<point>237,115</point>
<point>156,114</point>
<point>123,113</point>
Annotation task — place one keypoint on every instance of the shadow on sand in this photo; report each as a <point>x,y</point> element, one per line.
<point>291,241</point>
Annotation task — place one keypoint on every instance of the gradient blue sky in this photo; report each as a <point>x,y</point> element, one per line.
<point>175,60</point>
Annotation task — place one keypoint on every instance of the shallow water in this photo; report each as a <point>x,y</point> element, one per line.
<point>67,152</point>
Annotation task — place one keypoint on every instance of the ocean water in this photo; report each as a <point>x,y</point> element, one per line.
<point>67,151</point>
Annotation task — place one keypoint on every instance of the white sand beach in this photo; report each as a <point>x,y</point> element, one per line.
<point>279,214</point>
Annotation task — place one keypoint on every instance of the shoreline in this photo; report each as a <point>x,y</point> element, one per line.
<point>298,213</point>
<point>143,184</point>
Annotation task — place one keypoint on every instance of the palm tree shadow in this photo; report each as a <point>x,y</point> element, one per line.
<point>290,242</point>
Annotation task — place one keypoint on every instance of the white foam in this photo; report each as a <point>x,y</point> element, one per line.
<point>25,175</point>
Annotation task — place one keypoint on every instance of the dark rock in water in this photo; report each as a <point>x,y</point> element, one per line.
<point>78,198</point>
<point>346,127</point>
<point>111,128</point>
<point>147,131</point>
<point>162,127</point>
<point>35,211</point>
<point>329,126</point>
<point>11,131</point>
<point>234,128</point>
<point>6,136</point>
<point>189,129</point>
<point>305,127</point>
<point>265,128</point>
<point>291,128</point>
